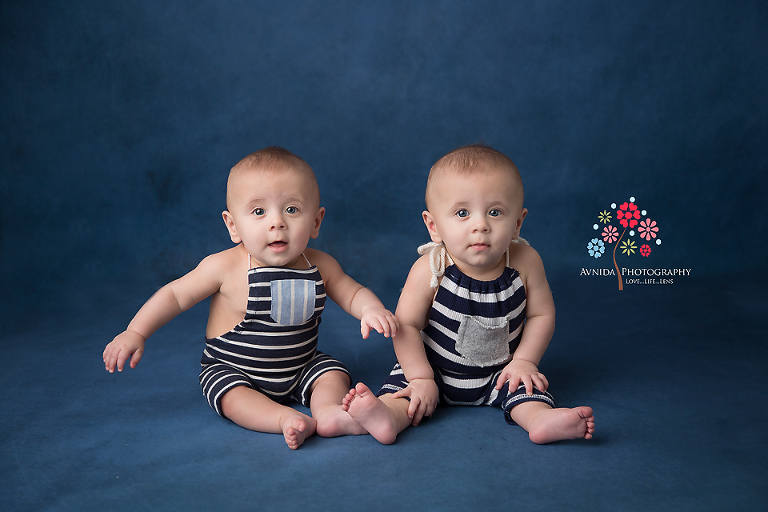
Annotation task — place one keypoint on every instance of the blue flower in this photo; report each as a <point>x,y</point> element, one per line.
<point>596,248</point>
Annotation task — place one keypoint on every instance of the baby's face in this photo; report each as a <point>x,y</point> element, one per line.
<point>274,213</point>
<point>476,216</point>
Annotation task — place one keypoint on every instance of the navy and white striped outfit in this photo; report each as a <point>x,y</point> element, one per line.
<point>274,349</point>
<point>474,329</point>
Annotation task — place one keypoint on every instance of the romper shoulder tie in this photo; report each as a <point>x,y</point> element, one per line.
<point>439,258</point>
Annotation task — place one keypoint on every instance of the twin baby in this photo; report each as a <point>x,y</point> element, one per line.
<point>473,320</point>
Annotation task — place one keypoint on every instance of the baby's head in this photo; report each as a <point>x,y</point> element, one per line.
<point>272,161</point>
<point>472,160</point>
<point>273,206</point>
<point>474,207</point>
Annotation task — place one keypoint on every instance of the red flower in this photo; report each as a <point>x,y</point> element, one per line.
<point>645,250</point>
<point>628,214</point>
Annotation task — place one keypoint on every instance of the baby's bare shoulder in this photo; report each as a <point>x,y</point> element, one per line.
<point>525,259</point>
<point>225,259</point>
<point>224,266</point>
<point>523,253</point>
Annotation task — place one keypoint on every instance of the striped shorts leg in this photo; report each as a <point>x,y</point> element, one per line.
<point>218,378</point>
<point>395,382</point>
<point>507,400</point>
<point>470,390</point>
<point>319,365</point>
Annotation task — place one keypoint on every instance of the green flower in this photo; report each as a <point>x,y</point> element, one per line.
<point>604,216</point>
<point>628,247</point>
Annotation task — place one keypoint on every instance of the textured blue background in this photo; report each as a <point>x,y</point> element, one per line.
<point>120,121</point>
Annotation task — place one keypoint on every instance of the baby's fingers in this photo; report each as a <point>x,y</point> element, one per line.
<point>380,327</point>
<point>122,356</point>
<point>417,417</point>
<point>392,326</point>
<point>528,382</point>
<point>501,380</point>
<point>111,358</point>
<point>541,382</point>
<point>405,392</point>
<point>504,377</point>
<point>109,361</point>
<point>136,358</point>
<point>118,358</point>
<point>413,410</point>
<point>365,330</point>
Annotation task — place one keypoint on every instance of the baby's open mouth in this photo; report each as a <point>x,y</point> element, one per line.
<point>278,244</point>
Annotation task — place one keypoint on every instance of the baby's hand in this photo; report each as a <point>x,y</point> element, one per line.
<point>423,394</point>
<point>126,345</point>
<point>380,320</point>
<point>519,372</point>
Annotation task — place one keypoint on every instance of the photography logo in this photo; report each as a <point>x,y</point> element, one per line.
<point>626,232</point>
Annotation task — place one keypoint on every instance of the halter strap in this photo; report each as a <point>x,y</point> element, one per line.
<point>302,255</point>
<point>439,258</point>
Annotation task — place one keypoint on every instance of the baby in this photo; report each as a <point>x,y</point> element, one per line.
<point>267,294</point>
<point>475,315</point>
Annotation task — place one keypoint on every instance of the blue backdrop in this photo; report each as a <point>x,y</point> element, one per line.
<point>120,121</point>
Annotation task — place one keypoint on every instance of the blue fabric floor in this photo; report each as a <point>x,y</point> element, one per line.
<point>675,375</point>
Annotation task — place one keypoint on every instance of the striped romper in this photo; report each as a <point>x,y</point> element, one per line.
<point>274,349</point>
<point>474,329</point>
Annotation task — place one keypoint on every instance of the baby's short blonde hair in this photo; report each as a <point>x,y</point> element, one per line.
<point>471,159</point>
<point>273,158</point>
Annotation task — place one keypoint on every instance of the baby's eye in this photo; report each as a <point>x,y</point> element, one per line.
<point>494,212</point>
<point>259,211</point>
<point>463,213</point>
<point>291,210</point>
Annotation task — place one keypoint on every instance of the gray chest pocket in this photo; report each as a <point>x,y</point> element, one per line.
<point>483,343</point>
<point>293,301</point>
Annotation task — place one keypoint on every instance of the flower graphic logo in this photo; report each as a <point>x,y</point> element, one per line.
<point>648,229</point>
<point>628,247</point>
<point>610,234</point>
<point>628,216</point>
<point>596,248</point>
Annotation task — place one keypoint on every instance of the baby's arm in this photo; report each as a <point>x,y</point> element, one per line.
<point>163,306</point>
<point>539,323</point>
<point>412,314</point>
<point>353,297</point>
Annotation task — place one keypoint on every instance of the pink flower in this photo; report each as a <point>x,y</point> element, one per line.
<point>645,250</point>
<point>610,234</point>
<point>648,229</point>
<point>628,215</point>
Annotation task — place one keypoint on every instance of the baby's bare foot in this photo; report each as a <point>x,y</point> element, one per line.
<point>560,424</point>
<point>334,421</point>
<point>296,429</point>
<point>371,413</point>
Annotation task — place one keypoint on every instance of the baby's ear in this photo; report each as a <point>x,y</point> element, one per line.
<point>318,220</point>
<point>429,221</point>
<point>229,220</point>
<point>519,223</point>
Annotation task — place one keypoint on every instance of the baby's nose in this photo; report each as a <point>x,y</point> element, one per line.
<point>481,225</point>
<point>277,222</point>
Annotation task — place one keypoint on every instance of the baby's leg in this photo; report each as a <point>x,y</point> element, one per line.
<point>383,417</point>
<point>545,424</point>
<point>252,410</point>
<point>328,391</point>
